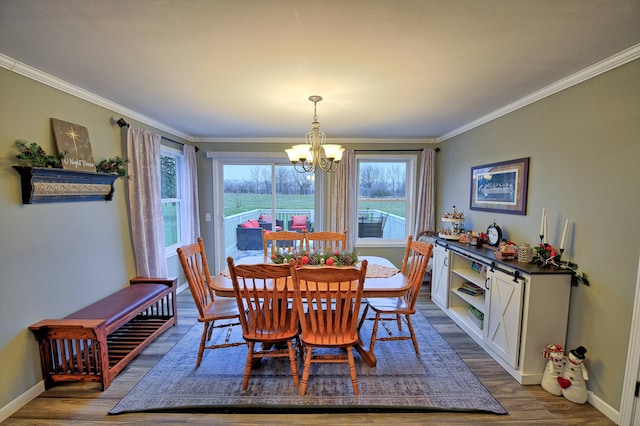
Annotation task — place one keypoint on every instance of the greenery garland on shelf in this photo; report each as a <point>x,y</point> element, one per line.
<point>34,155</point>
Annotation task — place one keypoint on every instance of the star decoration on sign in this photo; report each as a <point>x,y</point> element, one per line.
<point>73,135</point>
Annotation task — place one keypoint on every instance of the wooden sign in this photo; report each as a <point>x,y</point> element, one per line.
<point>73,146</point>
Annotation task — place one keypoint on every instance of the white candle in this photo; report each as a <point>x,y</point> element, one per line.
<point>545,229</point>
<point>542,221</point>
<point>564,234</point>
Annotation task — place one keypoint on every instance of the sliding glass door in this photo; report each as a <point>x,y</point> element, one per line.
<point>258,196</point>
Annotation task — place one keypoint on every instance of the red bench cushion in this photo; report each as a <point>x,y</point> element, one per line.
<point>119,304</point>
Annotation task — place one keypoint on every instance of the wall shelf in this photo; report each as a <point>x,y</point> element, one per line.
<point>50,185</point>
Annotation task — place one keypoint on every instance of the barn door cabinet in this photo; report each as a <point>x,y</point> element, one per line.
<point>512,309</point>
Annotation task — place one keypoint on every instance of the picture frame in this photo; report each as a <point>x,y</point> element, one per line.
<point>500,187</point>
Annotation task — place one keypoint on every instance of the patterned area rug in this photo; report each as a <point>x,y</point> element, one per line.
<point>437,380</point>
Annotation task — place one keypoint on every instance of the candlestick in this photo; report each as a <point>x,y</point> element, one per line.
<point>544,212</point>
<point>545,229</point>
<point>564,234</point>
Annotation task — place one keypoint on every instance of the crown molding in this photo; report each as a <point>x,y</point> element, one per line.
<point>49,80</point>
<point>340,141</point>
<point>601,67</point>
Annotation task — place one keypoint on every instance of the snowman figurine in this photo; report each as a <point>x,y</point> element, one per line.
<point>553,370</point>
<point>574,376</point>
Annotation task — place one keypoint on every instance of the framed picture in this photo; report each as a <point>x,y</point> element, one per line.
<point>500,187</point>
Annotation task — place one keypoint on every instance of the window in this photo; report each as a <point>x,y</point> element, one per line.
<point>385,197</point>
<point>171,190</point>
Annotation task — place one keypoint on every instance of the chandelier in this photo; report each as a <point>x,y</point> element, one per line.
<point>315,152</point>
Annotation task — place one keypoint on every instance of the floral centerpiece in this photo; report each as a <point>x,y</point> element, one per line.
<point>343,258</point>
<point>547,257</point>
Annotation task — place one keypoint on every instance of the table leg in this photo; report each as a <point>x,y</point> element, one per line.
<point>367,356</point>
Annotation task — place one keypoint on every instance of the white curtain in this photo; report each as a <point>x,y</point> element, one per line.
<point>145,206</point>
<point>190,196</point>
<point>344,215</point>
<point>425,212</point>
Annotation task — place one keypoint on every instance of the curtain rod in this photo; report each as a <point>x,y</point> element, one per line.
<point>123,123</point>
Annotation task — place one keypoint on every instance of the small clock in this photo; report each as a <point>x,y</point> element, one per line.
<point>494,234</point>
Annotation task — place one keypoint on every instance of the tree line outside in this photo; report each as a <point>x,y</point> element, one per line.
<point>381,187</point>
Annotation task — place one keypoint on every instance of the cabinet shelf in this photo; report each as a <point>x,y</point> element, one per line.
<point>461,316</point>
<point>50,185</point>
<point>470,275</point>
<point>475,301</point>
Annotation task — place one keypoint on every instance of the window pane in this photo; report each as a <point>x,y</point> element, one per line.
<point>171,223</point>
<point>169,181</point>
<point>382,199</point>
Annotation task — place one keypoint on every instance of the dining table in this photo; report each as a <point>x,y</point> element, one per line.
<point>383,279</point>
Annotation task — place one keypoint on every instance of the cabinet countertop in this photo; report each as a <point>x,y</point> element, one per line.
<point>486,253</point>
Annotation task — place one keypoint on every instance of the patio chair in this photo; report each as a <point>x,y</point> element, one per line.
<point>213,312</point>
<point>414,266</point>
<point>328,302</point>
<point>262,299</point>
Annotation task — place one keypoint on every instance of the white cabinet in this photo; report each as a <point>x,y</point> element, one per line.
<point>513,310</point>
<point>440,276</point>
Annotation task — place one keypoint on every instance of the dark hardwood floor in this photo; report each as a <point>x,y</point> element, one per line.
<point>81,404</point>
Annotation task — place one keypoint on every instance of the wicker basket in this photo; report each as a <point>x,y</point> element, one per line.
<point>525,253</point>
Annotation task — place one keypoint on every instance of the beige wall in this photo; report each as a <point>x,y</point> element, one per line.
<point>59,257</point>
<point>584,149</point>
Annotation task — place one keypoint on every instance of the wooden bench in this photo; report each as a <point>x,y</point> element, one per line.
<point>95,343</point>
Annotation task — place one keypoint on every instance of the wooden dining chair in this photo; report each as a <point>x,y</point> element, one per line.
<point>414,266</point>
<point>283,241</point>
<point>328,302</point>
<point>326,241</point>
<point>213,312</point>
<point>262,298</point>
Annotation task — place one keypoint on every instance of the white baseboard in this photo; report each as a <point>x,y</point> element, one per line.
<point>611,413</point>
<point>21,401</point>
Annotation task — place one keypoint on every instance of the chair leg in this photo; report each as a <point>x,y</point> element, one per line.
<point>413,334</point>
<point>306,370</point>
<point>364,316</point>
<point>203,340</point>
<point>292,361</point>
<point>399,321</point>
<point>352,370</point>
<point>247,366</point>
<point>374,332</point>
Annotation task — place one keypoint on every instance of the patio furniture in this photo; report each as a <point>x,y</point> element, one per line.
<point>371,223</point>
<point>299,223</point>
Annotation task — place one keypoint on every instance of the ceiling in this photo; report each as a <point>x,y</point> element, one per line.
<point>212,70</point>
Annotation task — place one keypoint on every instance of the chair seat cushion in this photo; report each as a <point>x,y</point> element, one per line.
<point>389,304</point>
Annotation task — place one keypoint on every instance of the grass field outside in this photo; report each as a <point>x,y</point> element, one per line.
<point>239,203</point>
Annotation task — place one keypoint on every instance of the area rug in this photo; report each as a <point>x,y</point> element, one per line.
<point>436,380</point>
